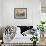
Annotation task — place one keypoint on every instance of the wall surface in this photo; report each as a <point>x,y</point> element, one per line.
<point>33,12</point>
<point>0,13</point>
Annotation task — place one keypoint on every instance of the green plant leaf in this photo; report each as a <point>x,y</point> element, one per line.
<point>41,26</point>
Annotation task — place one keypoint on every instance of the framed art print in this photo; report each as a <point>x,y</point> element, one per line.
<point>20,13</point>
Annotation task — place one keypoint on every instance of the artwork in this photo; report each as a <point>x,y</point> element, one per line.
<point>20,13</point>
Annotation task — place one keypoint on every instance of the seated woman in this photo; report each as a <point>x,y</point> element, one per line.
<point>24,35</point>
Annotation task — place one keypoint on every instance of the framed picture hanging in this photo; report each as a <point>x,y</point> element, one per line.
<point>20,13</point>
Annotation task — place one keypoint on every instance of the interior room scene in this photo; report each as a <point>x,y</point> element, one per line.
<point>22,22</point>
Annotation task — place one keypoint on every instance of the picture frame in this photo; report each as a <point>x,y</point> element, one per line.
<point>20,13</point>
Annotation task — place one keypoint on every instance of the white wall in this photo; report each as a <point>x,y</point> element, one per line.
<point>36,12</point>
<point>0,11</point>
<point>33,12</point>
